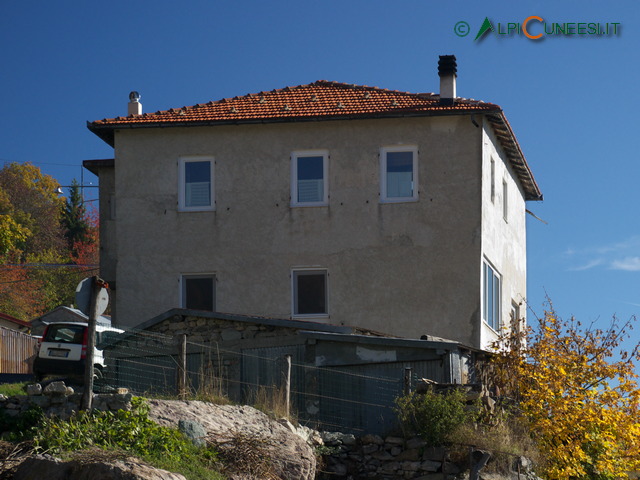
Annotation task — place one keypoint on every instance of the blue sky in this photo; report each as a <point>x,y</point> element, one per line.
<point>571,100</point>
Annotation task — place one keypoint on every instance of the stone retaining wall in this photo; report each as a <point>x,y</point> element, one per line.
<point>210,330</point>
<point>392,458</point>
<point>57,399</point>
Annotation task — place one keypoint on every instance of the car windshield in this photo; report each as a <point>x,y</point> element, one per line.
<point>65,333</point>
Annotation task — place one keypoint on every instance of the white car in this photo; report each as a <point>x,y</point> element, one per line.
<point>63,349</point>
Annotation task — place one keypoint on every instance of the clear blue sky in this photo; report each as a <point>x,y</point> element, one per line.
<point>572,101</point>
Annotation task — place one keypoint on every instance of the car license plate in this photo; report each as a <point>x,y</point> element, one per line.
<point>58,353</point>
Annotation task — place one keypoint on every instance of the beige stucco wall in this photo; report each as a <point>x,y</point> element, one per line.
<point>503,241</point>
<point>407,269</point>
<point>108,238</point>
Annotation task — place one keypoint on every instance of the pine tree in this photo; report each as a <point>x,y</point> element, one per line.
<point>74,217</point>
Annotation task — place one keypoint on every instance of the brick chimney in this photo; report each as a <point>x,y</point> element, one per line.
<point>447,70</point>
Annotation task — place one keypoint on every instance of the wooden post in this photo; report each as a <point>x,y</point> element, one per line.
<point>87,397</point>
<point>407,380</point>
<point>182,369</point>
<point>287,385</point>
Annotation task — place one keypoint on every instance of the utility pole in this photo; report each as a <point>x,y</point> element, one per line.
<point>97,284</point>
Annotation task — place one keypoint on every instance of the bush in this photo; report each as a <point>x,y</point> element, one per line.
<point>20,427</point>
<point>433,415</point>
<point>127,431</point>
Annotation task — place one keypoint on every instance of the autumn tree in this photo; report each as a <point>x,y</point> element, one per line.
<point>576,388</point>
<point>47,244</point>
<point>29,198</point>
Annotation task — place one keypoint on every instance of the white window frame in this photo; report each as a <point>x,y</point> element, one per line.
<point>295,272</point>
<point>383,173</point>
<point>294,177</point>
<point>492,319</point>
<point>182,161</point>
<point>183,287</point>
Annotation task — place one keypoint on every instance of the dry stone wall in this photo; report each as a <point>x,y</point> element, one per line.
<point>59,400</point>
<point>346,457</point>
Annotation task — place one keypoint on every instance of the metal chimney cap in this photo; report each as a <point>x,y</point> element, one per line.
<point>447,65</point>
<point>134,97</point>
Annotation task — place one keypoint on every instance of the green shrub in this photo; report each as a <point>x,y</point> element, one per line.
<point>129,431</point>
<point>432,415</point>
<point>21,426</point>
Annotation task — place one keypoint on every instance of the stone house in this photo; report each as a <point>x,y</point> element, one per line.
<point>334,203</point>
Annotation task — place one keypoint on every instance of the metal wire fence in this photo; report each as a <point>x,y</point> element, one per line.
<point>355,398</point>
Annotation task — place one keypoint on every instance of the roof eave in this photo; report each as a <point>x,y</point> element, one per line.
<point>510,145</point>
<point>106,131</point>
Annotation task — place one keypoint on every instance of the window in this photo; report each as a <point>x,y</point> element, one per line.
<point>199,292</point>
<point>398,174</point>
<point>515,316</point>
<point>310,293</point>
<point>491,297</point>
<point>309,183</point>
<point>505,201</point>
<point>493,180</point>
<point>196,184</point>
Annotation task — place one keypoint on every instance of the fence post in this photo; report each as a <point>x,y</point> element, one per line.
<point>287,385</point>
<point>407,380</point>
<point>182,368</point>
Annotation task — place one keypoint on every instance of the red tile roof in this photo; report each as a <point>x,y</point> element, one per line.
<point>323,100</point>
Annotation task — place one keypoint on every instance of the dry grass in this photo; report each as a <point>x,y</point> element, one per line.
<point>506,439</point>
<point>245,457</point>
<point>11,455</point>
<point>272,401</point>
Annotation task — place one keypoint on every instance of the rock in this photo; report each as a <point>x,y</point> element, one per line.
<point>55,388</point>
<point>309,435</point>
<point>290,456</point>
<point>331,438</point>
<point>369,448</point>
<point>44,466</point>
<point>372,439</point>
<point>194,430</point>
<point>394,440</point>
<point>430,466</point>
<point>415,442</point>
<point>35,389</point>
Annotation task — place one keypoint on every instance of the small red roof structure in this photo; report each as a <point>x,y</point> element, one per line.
<point>13,323</point>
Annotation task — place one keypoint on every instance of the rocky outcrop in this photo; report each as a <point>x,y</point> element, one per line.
<point>277,451</point>
<point>289,457</point>
<point>45,466</point>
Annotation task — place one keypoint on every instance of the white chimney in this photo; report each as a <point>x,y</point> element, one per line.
<point>135,107</point>
<point>447,70</point>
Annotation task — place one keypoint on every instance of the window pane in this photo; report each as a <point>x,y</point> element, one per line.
<point>199,294</point>
<point>310,179</point>
<point>399,174</point>
<point>197,186</point>
<point>491,295</point>
<point>310,293</point>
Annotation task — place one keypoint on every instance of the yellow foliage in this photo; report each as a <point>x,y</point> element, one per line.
<point>579,394</point>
